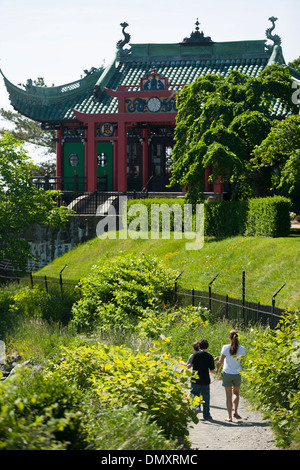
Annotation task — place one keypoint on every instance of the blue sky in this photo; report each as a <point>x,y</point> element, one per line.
<point>58,39</point>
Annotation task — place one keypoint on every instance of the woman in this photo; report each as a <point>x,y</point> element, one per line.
<point>231,356</point>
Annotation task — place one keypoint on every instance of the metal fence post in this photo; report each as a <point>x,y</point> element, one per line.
<point>60,278</point>
<point>226,307</point>
<point>175,286</point>
<point>209,291</point>
<point>243,293</point>
<point>273,298</point>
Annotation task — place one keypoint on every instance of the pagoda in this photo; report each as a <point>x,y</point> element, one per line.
<point>115,126</point>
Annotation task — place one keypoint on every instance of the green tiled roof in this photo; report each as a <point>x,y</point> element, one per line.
<point>181,63</point>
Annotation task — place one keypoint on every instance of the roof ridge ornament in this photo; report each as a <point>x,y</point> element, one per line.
<point>197,37</point>
<point>123,42</point>
<point>273,37</point>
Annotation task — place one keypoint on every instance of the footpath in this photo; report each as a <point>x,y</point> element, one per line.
<point>249,433</point>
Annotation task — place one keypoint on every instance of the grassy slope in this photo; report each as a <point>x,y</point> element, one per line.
<point>268,263</point>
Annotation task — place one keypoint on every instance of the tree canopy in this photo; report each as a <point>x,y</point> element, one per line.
<point>21,203</point>
<point>219,124</point>
<point>27,130</point>
<point>279,152</point>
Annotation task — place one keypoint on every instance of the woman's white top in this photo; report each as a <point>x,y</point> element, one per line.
<point>232,364</point>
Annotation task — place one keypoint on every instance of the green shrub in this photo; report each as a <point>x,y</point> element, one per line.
<point>268,217</point>
<point>18,303</point>
<point>8,318</point>
<point>156,323</point>
<point>273,374</point>
<point>39,413</point>
<point>120,378</point>
<point>127,429</point>
<point>140,210</point>
<point>118,292</point>
<point>225,218</point>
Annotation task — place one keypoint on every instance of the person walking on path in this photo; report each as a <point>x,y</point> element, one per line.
<point>202,362</point>
<point>230,359</point>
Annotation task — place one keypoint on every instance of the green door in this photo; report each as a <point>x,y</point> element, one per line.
<point>105,166</point>
<point>73,163</point>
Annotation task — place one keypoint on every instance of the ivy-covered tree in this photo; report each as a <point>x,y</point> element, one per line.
<point>220,122</point>
<point>21,203</point>
<point>280,153</point>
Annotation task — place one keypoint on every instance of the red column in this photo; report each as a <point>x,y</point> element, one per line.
<point>115,161</point>
<point>218,186</point>
<point>122,158</point>
<point>91,158</point>
<point>145,157</point>
<point>59,156</point>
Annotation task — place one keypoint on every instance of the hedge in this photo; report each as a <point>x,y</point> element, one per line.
<point>268,217</point>
<point>255,217</point>
<point>225,218</point>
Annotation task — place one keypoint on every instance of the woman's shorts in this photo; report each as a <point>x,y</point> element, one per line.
<point>231,380</point>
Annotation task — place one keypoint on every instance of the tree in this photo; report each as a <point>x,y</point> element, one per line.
<point>27,130</point>
<point>219,123</point>
<point>280,152</point>
<point>21,203</point>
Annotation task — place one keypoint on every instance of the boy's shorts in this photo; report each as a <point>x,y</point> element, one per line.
<point>231,380</point>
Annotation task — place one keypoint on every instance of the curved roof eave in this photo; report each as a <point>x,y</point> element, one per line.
<point>31,100</point>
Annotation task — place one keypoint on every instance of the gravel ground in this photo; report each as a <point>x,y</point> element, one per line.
<point>249,433</point>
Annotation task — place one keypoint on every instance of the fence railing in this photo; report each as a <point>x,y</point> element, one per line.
<point>224,306</point>
<point>63,183</point>
<point>43,281</point>
<point>220,305</point>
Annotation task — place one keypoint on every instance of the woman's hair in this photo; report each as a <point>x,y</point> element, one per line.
<point>234,342</point>
<point>196,346</point>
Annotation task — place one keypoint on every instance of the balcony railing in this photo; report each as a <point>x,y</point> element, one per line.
<point>67,183</point>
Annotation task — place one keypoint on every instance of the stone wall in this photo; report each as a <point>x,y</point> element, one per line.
<point>48,243</point>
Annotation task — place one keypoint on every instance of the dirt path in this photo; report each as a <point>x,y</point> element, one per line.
<point>249,433</point>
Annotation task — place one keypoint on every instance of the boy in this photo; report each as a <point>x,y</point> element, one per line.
<point>202,362</point>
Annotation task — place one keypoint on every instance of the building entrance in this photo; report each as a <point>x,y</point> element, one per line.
<point>134,163</point>
<point>160,160</point>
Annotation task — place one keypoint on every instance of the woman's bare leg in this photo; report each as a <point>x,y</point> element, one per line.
<point>236,399</point>
<point>228,391</point>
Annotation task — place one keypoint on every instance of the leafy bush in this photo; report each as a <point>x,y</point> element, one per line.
<point>18,303</point>
<point>140,210</point>
<point>126,429</point>
<point>225,218</point>
<point>273,375</point>
<point>269,217</point>
<point>120,378</point>
<point>193,326</point>
<point>39,413</point>
<point>155,323</point>
<point>8,318</point>
<point>118,292</point>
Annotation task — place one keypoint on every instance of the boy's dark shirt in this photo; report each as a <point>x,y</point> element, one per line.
<point>202,362</point>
